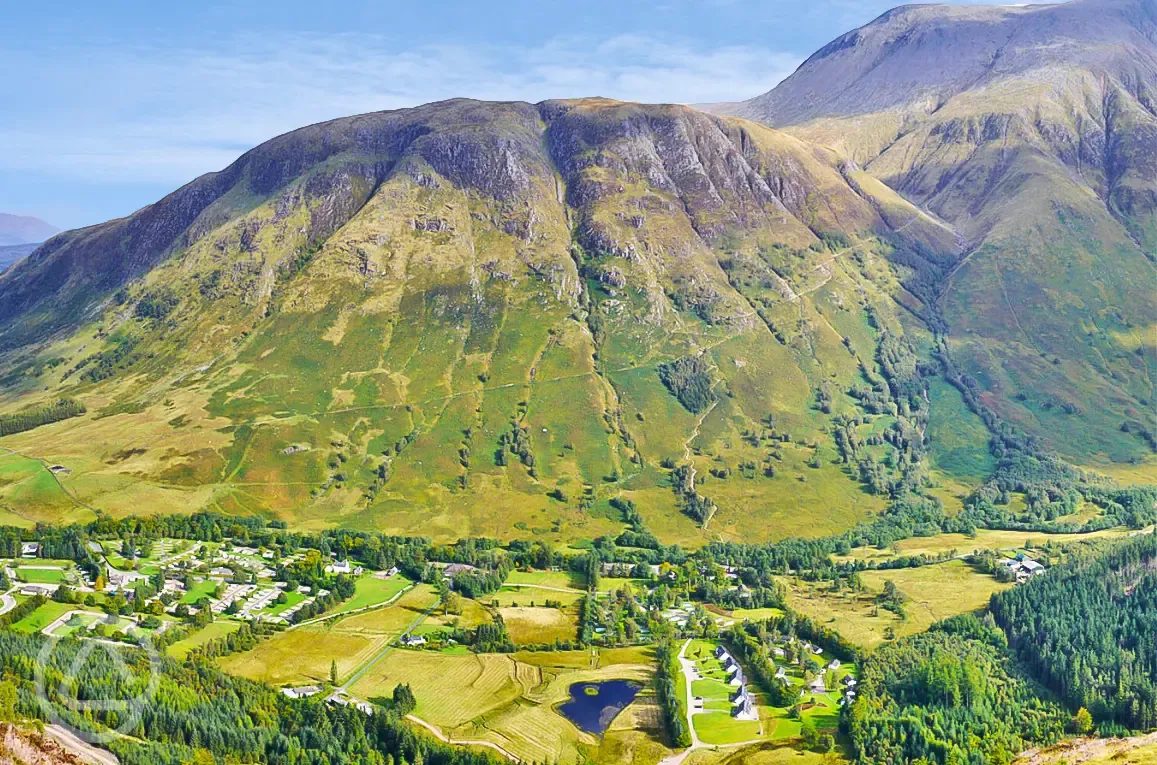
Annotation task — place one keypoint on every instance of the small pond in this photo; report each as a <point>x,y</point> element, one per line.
<point>593,706</point>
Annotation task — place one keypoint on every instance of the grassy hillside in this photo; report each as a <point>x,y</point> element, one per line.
<point>490,319</point>
<point>1031,132</point>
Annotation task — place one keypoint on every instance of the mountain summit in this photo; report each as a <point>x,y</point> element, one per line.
<point>1032,131</point>
<point>916,58</point>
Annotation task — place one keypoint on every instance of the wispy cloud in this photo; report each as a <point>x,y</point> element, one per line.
<point>147,114</point>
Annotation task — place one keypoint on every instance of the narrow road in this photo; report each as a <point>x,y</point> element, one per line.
<point>339,614</point>
<point>385,651</point>
<point>74,745</point>
<point>459,742</point>
<point>7,602</point>
<point>688,665</point>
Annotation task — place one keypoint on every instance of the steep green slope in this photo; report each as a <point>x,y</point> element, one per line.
<point>454,320</point>
<point>1032,131</point>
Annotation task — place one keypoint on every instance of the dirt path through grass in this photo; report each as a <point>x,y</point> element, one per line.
<point>438,734</point>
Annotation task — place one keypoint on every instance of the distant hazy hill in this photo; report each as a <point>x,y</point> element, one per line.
<point>11,253</point>
<point>22,229</point>
<point>1032,131</point>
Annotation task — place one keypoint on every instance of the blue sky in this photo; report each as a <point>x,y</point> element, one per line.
<point>110,105</point>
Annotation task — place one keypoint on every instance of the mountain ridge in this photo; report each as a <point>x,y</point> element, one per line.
<point>406,293</point>
<point>1030,130</point>
<point>493,318</point>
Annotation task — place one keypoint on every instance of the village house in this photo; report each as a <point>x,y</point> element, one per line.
<point>301,693</point>
<point>339,567</point>
<point>30,550</point>
<point>413,641</point>
<point>1023,567</point>
<point>454,569</point>
<point>119,579</point>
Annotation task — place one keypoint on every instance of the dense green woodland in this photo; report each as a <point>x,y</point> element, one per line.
<point>950,696</point>
<point>197,710</point>
<point>1088,630</point>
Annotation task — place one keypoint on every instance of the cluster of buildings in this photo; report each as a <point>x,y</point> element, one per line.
<point>744,706</point>
<point>1023,567</point>
<point>337,697</point>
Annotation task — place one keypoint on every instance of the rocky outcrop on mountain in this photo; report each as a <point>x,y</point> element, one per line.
<point>11,253</point>
<point>715,175</point>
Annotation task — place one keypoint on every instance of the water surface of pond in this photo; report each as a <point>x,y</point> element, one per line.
<point>593,706</point>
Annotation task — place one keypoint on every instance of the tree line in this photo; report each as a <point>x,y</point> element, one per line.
<point>19,422</point>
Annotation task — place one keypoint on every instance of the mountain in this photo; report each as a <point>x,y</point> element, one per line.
<point>11,253</point>
<point>1032,131</point>
<point>21,229</point>
<point>508,319</point>
<point>485,318</point>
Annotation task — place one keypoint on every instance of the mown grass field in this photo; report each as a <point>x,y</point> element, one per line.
<point>535,625</point>
<point>1136,750</point>
<point>219,628</point>
<point>985,539</point>
<point>371,591</point>
<point>501,698</point>
<point>304,654</point>
<point>41,575</point>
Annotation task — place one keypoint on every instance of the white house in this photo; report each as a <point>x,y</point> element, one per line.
<point>30,549</point>
<point>340,567</point>
<point>746,710</point>
<point>413,641</point>
<point>301,693</point>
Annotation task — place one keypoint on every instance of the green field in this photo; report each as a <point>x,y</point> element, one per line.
<point>42,617</point>
<point>41,575</point>
<point>371,591</point>
<point>722,728</point>
<point>199,590</point>
<point>557,579</point>
<point>215,629</point>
